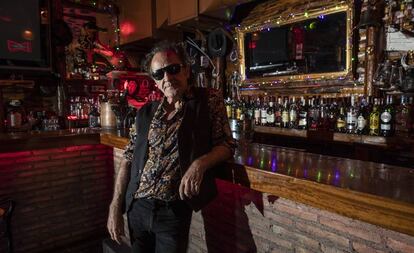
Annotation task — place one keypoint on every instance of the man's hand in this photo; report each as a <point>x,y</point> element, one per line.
<point>115,223</point>
<point>191,181</point>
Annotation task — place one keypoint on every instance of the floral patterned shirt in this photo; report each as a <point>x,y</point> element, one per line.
<point>161,174</point>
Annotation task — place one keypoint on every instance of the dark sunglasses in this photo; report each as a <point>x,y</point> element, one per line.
<point>172,69</point>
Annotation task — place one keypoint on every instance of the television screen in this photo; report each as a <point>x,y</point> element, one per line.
<point>24,36</point>
<point>267,49</point>
<point>315,45</point>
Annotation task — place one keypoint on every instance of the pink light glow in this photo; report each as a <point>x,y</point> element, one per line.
<point>127,28</point>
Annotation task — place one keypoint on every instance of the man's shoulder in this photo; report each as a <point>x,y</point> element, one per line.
<point>209,92</point>
<point>148,107</point>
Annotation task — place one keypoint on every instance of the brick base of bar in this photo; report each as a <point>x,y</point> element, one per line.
<point>242,220</point>
<point>62,197</point>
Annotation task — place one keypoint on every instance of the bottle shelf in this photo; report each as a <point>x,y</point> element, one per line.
<point>338,137</point>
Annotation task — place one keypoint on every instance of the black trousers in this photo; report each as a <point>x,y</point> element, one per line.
<point>158,226</point>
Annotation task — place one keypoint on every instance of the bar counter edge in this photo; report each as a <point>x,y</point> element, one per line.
<point>382,211</point>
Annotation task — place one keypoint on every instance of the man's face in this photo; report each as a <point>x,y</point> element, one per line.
<point>173,75</point>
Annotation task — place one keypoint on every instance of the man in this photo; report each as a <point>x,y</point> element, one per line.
<point>178,142</point>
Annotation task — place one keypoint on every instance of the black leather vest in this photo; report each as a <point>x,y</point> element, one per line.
<point>194,140</point>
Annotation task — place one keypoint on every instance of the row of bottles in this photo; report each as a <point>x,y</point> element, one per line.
<point>354,115</point>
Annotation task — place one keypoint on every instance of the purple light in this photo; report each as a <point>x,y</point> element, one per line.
<point>274,164</point>
<point>250,161</point>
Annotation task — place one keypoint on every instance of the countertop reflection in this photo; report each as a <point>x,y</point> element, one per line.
<point>368,177</point>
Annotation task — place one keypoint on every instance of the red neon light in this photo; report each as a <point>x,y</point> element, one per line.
<point>127,28</point>
<point>72,117</point>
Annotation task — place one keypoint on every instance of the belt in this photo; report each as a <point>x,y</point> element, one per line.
<point>157,203</point>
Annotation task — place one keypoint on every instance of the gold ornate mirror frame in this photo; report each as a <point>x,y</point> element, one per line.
<point>292,16</point>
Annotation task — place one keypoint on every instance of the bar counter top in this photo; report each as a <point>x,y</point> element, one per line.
<point>21,141</point>
<point>376,193</point>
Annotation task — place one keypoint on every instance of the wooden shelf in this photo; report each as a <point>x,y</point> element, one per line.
<point>337,137</point>
<point>20,83</point>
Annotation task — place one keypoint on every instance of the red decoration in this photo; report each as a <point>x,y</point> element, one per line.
<point>298,38</point>
<point>252,44</point>
<point>14,46</point>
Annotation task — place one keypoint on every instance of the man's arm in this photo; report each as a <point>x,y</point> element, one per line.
<point>223,147</point>
<point>191,181</point>
<point>115,222</point>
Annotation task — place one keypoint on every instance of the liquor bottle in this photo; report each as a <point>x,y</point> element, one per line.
<point>285,114</point>
<point>341,119</point>
<point>363,113</point>
<point>313,115</point>
<point>332,114</point>
<point>239,109</point>
<point>374,119</point>
<point>270,115</point>
<point>387,118</point>
<point>293,114</point>
<point>263,113</point>
<point>403,117</point>
<point>234,109</point>
<point>351,117</point>
<point>249,108</point>
<point>323,115</point>
<point>278,112</point>
<point>303,114</point>
<point>257,118</point>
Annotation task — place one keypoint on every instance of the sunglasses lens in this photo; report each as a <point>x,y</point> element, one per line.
<point>158,75</point>
<point>172,69</point>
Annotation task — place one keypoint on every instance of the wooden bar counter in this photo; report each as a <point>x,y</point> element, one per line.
<point>371,192</point>
<point>375,193</point>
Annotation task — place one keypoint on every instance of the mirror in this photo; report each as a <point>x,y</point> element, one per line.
<point>315,45</point>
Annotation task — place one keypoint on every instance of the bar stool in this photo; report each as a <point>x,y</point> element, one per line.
<point>6,211</point>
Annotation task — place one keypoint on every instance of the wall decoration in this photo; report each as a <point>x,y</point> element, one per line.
<point>94,50</point>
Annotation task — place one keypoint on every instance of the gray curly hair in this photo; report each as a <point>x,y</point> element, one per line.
<point>177,47</point>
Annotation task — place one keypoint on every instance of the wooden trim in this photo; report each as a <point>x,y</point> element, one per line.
<point>378,141</point>
<point>384,212</point>
<point>113,140</point>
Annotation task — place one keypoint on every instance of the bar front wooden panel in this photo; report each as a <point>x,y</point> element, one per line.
<point>376,193</point>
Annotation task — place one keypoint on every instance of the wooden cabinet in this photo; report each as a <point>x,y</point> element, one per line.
<point>161,7</point>
<point>181,10</point>
<point>140,19</point>
<point>135,20</point>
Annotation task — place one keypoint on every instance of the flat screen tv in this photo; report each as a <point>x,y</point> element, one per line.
<point>266,50</point>
<point>25,35</point>
<point>314,45</point>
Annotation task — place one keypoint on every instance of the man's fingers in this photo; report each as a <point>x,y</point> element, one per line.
<point>181,190</point>
<point>188,190</point>
<point>196,189</point>
<point>118,238</point>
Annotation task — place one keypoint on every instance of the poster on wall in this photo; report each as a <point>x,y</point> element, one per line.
<point>89,55</point>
